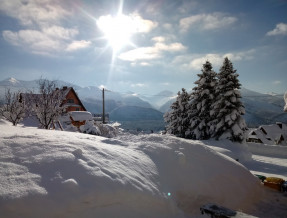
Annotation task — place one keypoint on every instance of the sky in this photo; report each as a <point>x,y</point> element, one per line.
<point>144,46</point>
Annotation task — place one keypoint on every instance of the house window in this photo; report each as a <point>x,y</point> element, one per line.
<point>77,109</point>
<point>70,100</point>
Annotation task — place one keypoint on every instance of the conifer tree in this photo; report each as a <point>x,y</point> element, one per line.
<point>177,118</point>
<point>228,107</point>
<point>202,98</point>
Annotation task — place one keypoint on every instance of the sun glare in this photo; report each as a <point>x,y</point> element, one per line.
<point>117,30</point>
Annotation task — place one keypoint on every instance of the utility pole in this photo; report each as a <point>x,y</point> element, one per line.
<point>104,121</point>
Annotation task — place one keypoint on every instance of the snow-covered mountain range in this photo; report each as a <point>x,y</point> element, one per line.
<point>260,108</point>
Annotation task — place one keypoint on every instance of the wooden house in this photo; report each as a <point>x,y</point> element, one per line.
<point>72,101</point>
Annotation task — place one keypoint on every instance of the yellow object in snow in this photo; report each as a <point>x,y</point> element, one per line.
<point>274,182</point>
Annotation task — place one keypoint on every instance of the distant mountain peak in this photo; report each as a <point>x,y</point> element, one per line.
<point>12,80</point>
<point>272,93</point>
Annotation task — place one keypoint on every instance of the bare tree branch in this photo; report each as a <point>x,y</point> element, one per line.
<point>13,110</point>
<point>47,104</point>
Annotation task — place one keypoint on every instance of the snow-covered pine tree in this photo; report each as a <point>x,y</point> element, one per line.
<point>228,107</point>
<point>193,116</point>
<point>202,98</point>
<point>177,118</point>
<point>13,110</point>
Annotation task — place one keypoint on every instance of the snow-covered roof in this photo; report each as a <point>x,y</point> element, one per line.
<point>81,115</point>
<point>66,90</point>
<point>270,134</point>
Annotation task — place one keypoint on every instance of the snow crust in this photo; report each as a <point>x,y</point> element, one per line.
<point>48,173</point>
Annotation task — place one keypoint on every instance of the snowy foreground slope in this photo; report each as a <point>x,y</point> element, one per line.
<point>45,173</point>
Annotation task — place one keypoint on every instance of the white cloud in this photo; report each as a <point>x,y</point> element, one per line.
<point>207,21</point>
<point>173,47</point>
<point>132,23</point>
<point>196,61</point>
<point>144,53</point>
<point>145,64</point>
<point>152,52</point>
<point>167,26</point>
<point>138,85</point>
<point>34,40</point>
<point>214,59</point>
<point>59,32</point>
<point>142,25</point>
<point>41,42</point>
<point>34,12</point>
<point>165,84</point>
<point>42,32</point>
<point>158,39</point>
<point>280,29</point>
<point>276,82</point>
<point>76,45</point>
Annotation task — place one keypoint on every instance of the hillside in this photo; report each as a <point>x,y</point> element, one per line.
<point>262,108</point>
<point>134,113</point>
<point>138,118</point>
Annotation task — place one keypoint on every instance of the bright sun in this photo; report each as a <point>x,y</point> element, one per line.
<point>117,30</point>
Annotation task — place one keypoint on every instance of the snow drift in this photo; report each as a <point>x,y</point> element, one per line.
<point>47,173</point>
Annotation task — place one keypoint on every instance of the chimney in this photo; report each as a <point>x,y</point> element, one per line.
<point>65,87</point>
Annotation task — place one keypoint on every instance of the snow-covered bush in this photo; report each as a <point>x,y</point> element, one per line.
<point>71,128</point>
<point>105,130</point>
<point>90,128</point>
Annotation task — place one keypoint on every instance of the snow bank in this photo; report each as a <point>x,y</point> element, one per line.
<point>46,173</point>
<point>105,130</point>
<point>268,150</point>
<point>237,151</point>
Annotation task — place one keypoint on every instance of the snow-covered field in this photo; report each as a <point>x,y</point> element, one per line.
<point>46,173</point>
